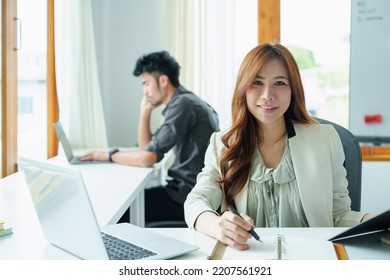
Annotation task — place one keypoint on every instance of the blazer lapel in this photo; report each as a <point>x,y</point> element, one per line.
<point>309,167</point>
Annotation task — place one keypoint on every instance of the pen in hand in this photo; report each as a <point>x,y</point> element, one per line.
<point>252,232</point>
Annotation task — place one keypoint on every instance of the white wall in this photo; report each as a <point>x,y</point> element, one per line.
<point>125,30</point>
<point>375,186</point>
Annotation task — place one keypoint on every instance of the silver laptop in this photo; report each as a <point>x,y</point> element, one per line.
<point>72,159</point>
<point>68,220</point>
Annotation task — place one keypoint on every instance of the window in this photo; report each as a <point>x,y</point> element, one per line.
<point>32,65</point>
<point>318,36</point>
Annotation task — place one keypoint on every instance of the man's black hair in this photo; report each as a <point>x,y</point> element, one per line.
<point>160,63</point>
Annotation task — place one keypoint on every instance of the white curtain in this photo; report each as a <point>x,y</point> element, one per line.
<point>79,96</point>
<point>203,36</point>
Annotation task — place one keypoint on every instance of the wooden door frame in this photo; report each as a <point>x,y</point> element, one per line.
<point>9,87</point>
<point>268,21</point>
<point>52,100</point>
<point>9,84</point>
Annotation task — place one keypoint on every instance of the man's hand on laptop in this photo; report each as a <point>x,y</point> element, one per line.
<point>95,155</point>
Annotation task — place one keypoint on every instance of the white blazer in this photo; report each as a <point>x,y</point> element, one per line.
<point>318,157</point>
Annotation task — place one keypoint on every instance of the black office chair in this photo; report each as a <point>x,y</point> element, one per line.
<point>353,162</point>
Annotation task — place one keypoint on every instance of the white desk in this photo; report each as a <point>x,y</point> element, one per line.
<point>27,241</point>
<point>16,209</point>
<point>113,188</point>
<point>206,243</point>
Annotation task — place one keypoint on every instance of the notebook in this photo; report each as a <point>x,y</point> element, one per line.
<point>68,221</point>
<point>280,247</point>
<point>72,159</point>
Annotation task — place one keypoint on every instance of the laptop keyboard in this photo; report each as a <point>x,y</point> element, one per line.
<point>121,250</point>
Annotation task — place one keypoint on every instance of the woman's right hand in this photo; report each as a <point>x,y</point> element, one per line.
<point>233,230</point>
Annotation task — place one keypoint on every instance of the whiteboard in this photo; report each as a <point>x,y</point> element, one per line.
<point>369,112</point>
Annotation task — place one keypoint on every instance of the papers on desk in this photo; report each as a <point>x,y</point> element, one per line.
<point>290,248</point>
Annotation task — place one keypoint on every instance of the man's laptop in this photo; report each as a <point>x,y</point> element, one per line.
<point>72,159</point>
<point>68,220</point>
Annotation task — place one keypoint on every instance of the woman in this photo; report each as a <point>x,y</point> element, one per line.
<point>275,163</point>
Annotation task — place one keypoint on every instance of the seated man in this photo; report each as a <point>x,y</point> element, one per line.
<point>187,127</point>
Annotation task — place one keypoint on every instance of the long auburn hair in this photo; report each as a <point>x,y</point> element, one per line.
<point>242,138</point>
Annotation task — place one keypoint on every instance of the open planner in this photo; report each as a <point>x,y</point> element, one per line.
<point>280,247</point>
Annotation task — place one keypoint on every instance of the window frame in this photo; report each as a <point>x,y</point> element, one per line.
<point>9,83</point>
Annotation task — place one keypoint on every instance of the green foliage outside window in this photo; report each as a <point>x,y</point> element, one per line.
<point>305,58</point>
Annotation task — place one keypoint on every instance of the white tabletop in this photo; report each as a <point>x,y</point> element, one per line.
<point>16,209</point>
<point>113,188</point>
<point>206,243</point>
<point>28,242</point>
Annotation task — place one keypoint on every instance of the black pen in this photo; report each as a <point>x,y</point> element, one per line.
<point>252,232</point>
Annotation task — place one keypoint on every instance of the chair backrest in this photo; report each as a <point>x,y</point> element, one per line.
<point>353,162</point>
